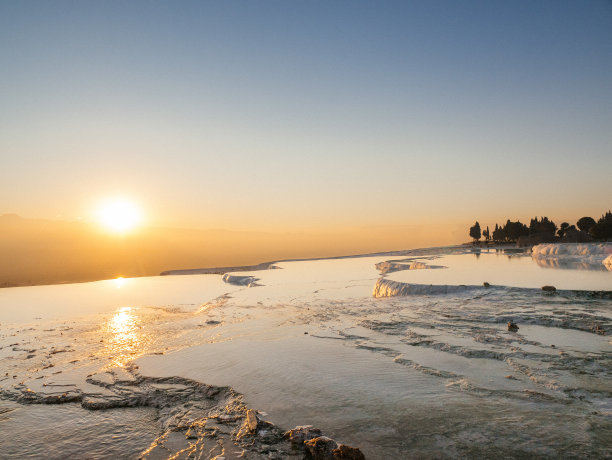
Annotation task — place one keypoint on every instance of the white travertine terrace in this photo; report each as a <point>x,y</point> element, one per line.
<point>388,288</point>
<point>592,253</point>
<point>608,262</point>
<point>240,280</point>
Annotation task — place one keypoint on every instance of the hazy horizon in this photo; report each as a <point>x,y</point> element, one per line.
<point>42,251</point>
<point>45,251</point>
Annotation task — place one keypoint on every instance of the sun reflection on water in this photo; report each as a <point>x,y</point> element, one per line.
<point>119,281</point>
<point>126,338</point>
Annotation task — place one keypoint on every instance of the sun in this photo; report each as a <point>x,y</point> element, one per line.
<point>119,215</point>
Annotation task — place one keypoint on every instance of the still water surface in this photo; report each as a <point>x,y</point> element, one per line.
<point>510,269</point>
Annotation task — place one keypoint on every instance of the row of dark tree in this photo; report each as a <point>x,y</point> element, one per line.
<point>585,228</point>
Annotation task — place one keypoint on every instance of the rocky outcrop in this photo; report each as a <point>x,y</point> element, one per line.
<point>321,448</point>
<point>324,448</point>
<point>349,453</point>
<point>251,421</point>
<point>300,434</point>
<point>196,420</point>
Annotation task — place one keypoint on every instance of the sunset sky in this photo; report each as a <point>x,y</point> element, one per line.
<point>283,115</point>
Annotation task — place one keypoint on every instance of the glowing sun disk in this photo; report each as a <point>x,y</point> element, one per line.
<point>119,215</point>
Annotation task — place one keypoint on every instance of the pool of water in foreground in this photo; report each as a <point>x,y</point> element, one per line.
<point>401,377</point>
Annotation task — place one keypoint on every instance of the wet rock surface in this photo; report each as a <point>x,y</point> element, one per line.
<point>512,327</point>
<point>324,448</point>
<point>301,434</point>
<point>196,420</point>
<point>321,448</point>
<point>347,452</point>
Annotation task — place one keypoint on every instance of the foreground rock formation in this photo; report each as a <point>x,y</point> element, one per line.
<point>197,420</point>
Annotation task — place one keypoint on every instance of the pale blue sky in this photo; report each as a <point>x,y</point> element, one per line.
<point>259,115</point>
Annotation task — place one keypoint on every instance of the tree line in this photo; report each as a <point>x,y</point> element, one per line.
<point>585,228</point>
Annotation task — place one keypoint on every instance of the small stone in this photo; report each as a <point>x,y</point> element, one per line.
<point>599,330</point>
<point>348,453</point>
<point>321,448</point>
<point>251,420</point>
<point>512,327</point>
<point>301,434</point>
<point>305,332</point>
<point>549,288</point>
<point>485,284</point>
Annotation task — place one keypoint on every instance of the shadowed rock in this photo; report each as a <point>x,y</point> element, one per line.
<point>251,420</point>
<point>324,448</point>
<point>321,448</point>
<point>301,434</point>
<point>348,453</point>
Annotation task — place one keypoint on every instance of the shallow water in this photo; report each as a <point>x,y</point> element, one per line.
<point>401,377</point>
<point>68,431</point>
<point>510,269</point>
